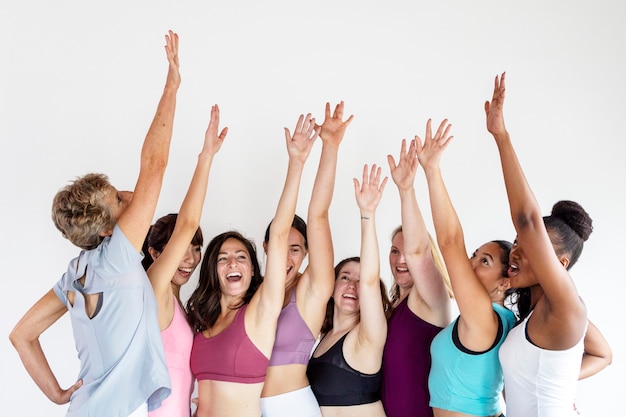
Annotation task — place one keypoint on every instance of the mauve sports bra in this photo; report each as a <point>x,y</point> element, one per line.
<point>294,340</point>
<point>229,356</point>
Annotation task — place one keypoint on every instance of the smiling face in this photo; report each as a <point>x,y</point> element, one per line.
<point>188,263</point>
<point>399,269</point>
<point>346,293</point>
<point>234,268</point>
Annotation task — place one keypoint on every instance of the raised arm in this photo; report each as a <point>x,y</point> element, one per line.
<point>373,324</point>
<point>428,297</point>
<point>478,324</point>
<point>266,304</point>
<point>559,289</point>
<point>598,354</point>
<point>136,219</point>
<point>188,219</point>
<point>25,339</point>
<point>321,255</point>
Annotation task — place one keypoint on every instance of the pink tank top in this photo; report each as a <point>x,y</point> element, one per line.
<point>294,340</point>
<point>229,356</point>
<point>177,341</point>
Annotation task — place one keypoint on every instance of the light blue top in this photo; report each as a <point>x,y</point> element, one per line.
<point>122,363</point>
<point>465,381</point>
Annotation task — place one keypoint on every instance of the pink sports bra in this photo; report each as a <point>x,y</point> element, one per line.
<point>229,356</point>
<point>294,340</point>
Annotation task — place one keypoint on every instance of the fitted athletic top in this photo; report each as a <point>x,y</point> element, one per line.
<point>177,341</point>
<point>539,382</point>
<point>463,380</point>
<point>228,356</point>
<point>294,340</point>
<point>335,383</point>
<point>122,364</point>
<point>406,364</point>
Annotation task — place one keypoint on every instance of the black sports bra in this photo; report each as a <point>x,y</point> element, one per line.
<point>335,383</point>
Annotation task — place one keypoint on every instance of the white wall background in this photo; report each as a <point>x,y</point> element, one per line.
<point>79,84</point>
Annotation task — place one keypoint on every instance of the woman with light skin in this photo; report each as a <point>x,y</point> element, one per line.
<point>286,391</point>
<point>173,249</point>
<point>423,309</point>
<point>541,357</point>
<point>105,288</point>
<point>235,321</point>
<point>465,377</point>
<point>345,368</point>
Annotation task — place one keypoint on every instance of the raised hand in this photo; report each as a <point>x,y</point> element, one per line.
<point>333,128</point>
<point>213,141</point>
<point>370,191</point>
<point>429,152</point>
<point>171,49</point>
<point>403,174</point>
<point>299,145</point>
<point>493,109</point>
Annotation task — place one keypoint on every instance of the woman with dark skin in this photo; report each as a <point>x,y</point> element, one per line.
<point>480,284</point>
<point>541,356</point>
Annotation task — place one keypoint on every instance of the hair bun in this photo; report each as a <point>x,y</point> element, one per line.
<point>574,216</point>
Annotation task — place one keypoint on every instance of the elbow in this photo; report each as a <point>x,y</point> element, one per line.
<point>17,337</point>
<point>155,163</point>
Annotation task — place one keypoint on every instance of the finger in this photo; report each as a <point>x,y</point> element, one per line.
<point>377,175</point>
<point>365,169</point>
<point>287,134</point>
<point>357,186</point>
<point>327,111</point>
<point>306,124</point>
<point>413,150</point>
<point>339,110</point>
<point>391,162</point>
<point>311,129</point>
<point>223,134</point>
<point>446,133</point>
<point>440,129</point>
<point>347,122</point>
<point>373,173</point>
<point>382,185</point>
<point>403,149</point>
<point>429,134</point>
<point>487,107</point>
<point>299,124</point>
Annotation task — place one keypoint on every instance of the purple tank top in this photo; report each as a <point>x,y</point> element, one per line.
<point>294,340</point>
<point>406,364</point>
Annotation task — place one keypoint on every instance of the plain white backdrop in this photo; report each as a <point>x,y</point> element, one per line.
<point>80,81</point>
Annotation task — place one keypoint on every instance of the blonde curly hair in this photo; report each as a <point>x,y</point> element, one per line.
<point>79,211</point>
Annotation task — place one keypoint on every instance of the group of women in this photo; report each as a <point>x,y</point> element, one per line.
<point>249,340</point>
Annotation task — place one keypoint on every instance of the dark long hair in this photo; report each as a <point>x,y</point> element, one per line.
<point>330,306</point>
<point>298,223</point>
<point>203,306</point>
<point>160,233</point>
